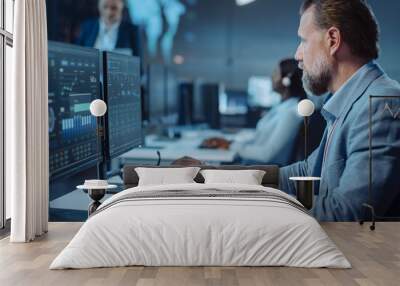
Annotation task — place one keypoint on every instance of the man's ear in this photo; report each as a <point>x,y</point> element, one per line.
<point>333,40</point>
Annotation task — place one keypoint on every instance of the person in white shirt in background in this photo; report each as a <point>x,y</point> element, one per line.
<point>109,22</point>
<point>276,132</point>
<point>110,31</point>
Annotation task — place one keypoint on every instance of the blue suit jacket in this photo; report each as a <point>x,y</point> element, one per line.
<point>128,36</point>
<point>344,171</point>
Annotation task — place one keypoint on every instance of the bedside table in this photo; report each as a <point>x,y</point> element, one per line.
<point>96,194</point>
<point>305,190</point>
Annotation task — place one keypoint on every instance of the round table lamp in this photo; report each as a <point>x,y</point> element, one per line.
<point>305,108</point>
<point>305,185</point>
<point>98,108</point>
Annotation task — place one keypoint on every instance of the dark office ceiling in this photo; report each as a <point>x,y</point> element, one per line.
<point>221,41</point>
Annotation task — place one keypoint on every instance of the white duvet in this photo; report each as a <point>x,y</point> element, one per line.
<point>200,231</point>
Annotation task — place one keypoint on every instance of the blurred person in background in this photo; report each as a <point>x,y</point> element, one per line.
<point>110,31</point>
<point>276,132</point>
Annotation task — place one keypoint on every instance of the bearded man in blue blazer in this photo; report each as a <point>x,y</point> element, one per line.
<point>339,43</point>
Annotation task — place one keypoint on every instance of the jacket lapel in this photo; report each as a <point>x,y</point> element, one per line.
<point>93,35</point>
<point>121,36</point>
<point>359,89</point>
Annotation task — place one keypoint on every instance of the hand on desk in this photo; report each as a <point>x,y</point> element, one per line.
<point>215,143</point>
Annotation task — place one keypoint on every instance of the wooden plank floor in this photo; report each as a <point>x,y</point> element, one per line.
<point>375,257</point>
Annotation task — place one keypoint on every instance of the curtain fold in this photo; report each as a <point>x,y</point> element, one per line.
<point>27,118</point>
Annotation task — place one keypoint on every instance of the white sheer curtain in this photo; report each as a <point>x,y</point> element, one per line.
<point>27,124</point>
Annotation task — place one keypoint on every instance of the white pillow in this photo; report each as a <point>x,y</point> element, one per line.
<point>166,176</point>
<point>247,177</point>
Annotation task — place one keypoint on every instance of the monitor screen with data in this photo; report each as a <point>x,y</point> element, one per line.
<point>122,95</point>
<point>74,74</point>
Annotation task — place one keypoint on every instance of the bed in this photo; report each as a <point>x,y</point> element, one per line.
<point>197,224</point>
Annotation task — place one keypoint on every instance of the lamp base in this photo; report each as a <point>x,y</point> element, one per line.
<point>305,190</point>
<point>373,216</point>
<point>96,195</point>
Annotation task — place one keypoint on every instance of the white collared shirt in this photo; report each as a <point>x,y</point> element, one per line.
<point>107,36</point>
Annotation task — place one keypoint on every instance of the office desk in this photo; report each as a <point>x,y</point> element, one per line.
<point>186,146</point>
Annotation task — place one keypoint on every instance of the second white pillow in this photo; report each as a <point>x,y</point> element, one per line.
<point>166,176</point>
<point>246,177</point>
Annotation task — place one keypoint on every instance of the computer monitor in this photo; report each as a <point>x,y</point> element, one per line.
<point>156,93</point>
<point>74,74</point>
<point>198,103</point>
<point>171,84</point>
<point>186,96</point>
<point>261,93</point>
<point>123,119</point>
<point>210,97</point>
<point>233,102</point>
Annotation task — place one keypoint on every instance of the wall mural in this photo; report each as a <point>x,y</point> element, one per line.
<point>149,14</point>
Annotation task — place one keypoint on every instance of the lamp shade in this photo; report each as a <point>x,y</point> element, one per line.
<point>305,108</point>
<point>243,2</point>
<point>98,107</point>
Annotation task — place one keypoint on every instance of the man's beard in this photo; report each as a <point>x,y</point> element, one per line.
<point>318,81</point>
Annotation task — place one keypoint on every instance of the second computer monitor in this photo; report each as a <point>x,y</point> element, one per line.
<point>156,93</point>
<point>122,95</point>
